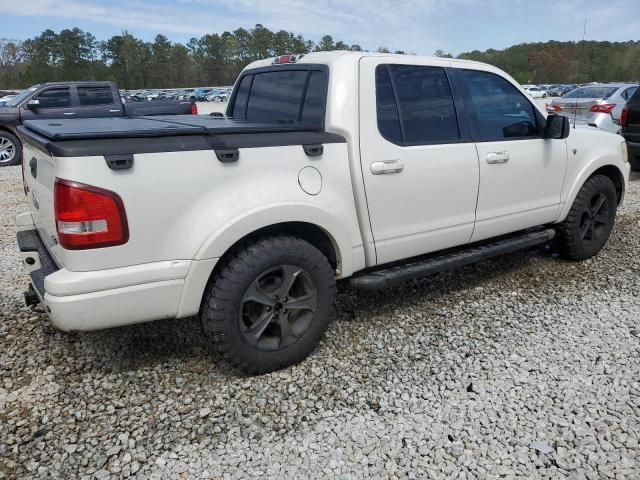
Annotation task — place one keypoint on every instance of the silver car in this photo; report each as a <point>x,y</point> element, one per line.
<point>596,106</point>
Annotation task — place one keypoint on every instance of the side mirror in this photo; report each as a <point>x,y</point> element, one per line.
<point>557,127</point>
<point>32,104</point>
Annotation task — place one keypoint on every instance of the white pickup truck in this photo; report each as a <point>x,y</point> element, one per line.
<point>340,165</point>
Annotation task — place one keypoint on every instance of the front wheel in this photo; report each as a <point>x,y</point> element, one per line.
<point>10,149</point>
<point>269,304</point>
<point>590,221</point>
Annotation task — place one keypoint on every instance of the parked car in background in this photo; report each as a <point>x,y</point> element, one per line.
<point>598,106</point>
<point>6,98</point>
<point>200,94</point>
<point>219,95</point>
<point>630,122</point>
<point>536,92</point>
<point>185,94</point>
<point>72,100</point>
<point>223,96</point>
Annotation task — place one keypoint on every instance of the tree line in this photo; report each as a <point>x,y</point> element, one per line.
<point>566,62</point>
<point>213,59</point>
<point>216,59</point>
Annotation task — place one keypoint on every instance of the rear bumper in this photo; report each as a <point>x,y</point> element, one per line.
<point>602,121</point>
<point>115,307</point>
<point>109,298</point>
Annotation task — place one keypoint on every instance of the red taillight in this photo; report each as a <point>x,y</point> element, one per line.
<point>88,217</point>
<point>603,108</point>
<point>194,108</point>
<point>624,116</point>
<point>557,108</point>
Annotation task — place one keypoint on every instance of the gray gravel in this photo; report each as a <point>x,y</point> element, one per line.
<point>522,367</point>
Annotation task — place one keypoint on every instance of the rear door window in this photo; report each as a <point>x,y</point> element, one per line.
<point>425,103</point>
<point>386,107</point>
<point>96,95</point>
<point>499,109</point>
<point>284,96</point>
<point>55,98</point>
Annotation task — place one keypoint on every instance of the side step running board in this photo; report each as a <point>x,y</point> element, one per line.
<point>398,273</point>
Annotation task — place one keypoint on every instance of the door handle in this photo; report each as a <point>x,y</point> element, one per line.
<point>497,157</point>
<point>69,114</point>
<point>387,166</point>
<point>114,110</point>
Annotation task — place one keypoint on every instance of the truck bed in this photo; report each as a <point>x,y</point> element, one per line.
<point>151,126</point>
<point>120,135</point>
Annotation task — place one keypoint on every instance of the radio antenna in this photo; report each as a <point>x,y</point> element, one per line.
<point>584,35</point>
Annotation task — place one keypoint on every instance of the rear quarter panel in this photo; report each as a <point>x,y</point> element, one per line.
<point>189,205</point>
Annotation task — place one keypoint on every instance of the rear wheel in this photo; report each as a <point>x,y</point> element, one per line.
<point>635,163</point>
<point>10,149</point>
<point>269,304</point>
<point>590,221</point>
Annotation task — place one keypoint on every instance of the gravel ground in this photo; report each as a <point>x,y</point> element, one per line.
<point>522,367</point>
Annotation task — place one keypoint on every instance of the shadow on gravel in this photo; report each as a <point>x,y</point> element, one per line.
<point>434,287</point>
<point>150,345</point>
<point>158,344</point>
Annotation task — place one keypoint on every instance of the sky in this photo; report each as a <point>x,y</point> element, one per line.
<point>416,26</point>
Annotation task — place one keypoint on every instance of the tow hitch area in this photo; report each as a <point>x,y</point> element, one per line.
<point>30,297</point>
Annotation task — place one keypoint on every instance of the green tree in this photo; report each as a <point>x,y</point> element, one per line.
<point>326,44</point>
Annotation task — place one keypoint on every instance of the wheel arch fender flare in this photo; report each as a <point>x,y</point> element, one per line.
<point>234,230</point>
<point>602,164</point>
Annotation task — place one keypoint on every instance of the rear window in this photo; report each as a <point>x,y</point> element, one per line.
<point>96,95</point>
<point>284,96</point>
<point>591,92</point>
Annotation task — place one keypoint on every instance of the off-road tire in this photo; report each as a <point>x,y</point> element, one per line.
<point>224,302</point>
<point>8,138</point>
<point>573,239</point>
<point>635,163</point>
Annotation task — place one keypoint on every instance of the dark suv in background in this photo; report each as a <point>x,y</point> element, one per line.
<point>72,100</point>
<point>630,121</point>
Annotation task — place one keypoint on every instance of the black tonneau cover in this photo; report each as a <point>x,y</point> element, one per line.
<point>156,126</point>
<point>172,133</point>
<point>110,127</point>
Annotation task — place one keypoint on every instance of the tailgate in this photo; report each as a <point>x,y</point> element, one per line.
<point>40,174</point>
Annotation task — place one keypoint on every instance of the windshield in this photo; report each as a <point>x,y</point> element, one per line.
<point>591,92</point>
<point>14,102</point>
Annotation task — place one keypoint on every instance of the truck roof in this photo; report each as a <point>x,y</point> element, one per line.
<point>330,57</point>
<point>76,82</point>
